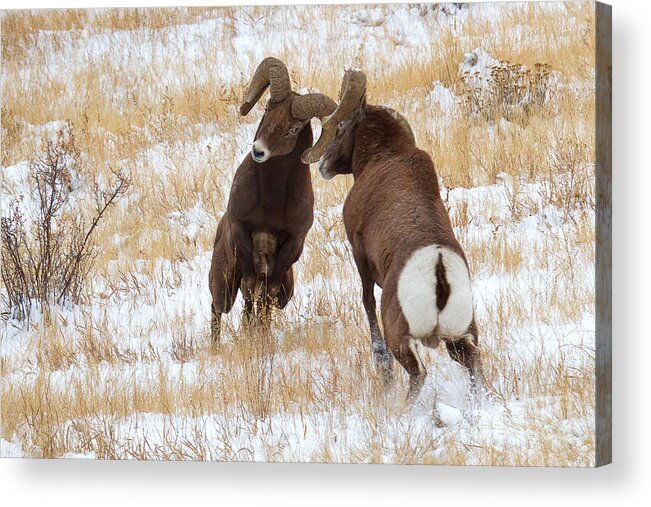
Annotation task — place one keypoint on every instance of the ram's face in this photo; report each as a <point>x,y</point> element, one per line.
<point>277,133</point>
<point>338,157</point>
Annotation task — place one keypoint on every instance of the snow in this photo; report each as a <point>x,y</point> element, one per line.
<point>478,64</point>
<point>300,436</point>
<point>441,96</point>
<point>10,450</point>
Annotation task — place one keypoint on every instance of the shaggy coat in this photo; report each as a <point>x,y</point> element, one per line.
<point>270,206</point>
<point>402,240</point>
<point>269,212</point>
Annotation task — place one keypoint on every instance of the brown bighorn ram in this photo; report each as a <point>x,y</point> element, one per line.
<point>400,234</point>
<point>270,207</point>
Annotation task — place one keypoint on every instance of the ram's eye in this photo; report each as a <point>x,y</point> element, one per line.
<point>341,124</point>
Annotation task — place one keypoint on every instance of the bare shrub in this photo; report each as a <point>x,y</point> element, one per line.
<point>47,246</point>
<point>511,90</point>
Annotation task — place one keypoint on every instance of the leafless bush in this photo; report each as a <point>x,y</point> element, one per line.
<point>47,244</point>
<point>512,91</point>
<point>570,184</point>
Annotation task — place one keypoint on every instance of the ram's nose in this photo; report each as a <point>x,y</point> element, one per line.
<point>259,152</point>
<point>325,170</point>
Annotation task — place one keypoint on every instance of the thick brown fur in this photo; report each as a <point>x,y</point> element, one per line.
<point>269,212</point>
<point>393,209</point>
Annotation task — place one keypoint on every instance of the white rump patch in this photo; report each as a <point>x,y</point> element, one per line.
<point>417,294</point>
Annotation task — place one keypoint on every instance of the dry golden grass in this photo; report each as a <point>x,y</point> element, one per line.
<point>94,380</point>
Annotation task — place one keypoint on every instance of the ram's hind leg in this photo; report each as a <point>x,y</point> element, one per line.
<point>404,350</point>
<point>215,329</point>
<point>466,352</point>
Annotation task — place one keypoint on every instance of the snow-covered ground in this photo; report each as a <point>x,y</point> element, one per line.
<point>129,373</point>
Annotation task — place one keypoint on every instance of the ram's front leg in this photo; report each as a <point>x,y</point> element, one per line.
<point>287,254</point>
<point>244,254</point>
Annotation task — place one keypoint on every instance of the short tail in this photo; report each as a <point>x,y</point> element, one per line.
<point>442,285</point>
<point>434,293</point>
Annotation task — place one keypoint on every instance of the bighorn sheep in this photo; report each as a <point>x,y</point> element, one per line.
<point>270,207</point>
<point>400,234</point>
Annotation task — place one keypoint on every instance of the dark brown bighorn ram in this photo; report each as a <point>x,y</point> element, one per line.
<point>401,236</point>
<point>270,207</point>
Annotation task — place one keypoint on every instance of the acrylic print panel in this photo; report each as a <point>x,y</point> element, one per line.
<point>126,330</point>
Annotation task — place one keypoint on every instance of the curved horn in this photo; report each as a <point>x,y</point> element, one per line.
<point>312,105</point>
<point>271,72</point>
<point>353,88</point>
<point>402,120</point>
